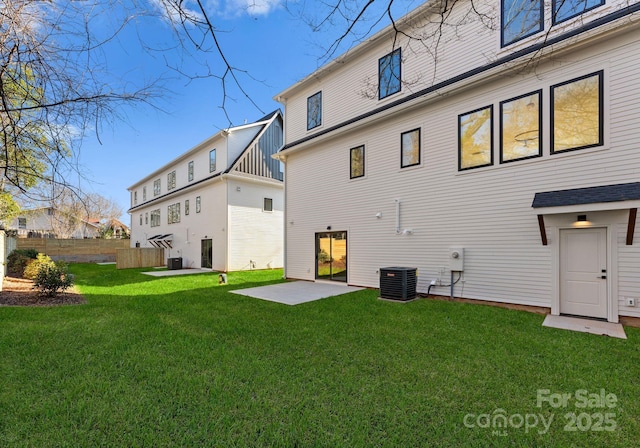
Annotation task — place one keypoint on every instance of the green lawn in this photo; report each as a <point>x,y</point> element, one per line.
<point>182,362</point>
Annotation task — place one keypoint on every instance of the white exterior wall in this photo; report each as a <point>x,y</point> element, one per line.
<point>228,220</point>
<point>487,211</point>
<point>256,237</point>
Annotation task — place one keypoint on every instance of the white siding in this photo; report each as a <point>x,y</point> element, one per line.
<point>256,237</point>
<point>487,211</point>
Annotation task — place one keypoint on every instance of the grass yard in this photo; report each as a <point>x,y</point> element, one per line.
<point>179,361</point>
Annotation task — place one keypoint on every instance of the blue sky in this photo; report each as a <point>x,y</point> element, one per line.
<point>274,47</point>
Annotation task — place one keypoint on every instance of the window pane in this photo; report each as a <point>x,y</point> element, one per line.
<point>212,160</point>
<point>268,205</point>
<point>190,171</point>
<point>357,162</point>
<point>576,115</point>
<point>566,9</point>
<point>198,206</point>
<point>314,111</point>
<point>389,78</point>
<point>475,138</point>
<point>186,207</point>
<point>520,124</point>
<point>520,18</point>
<point>410,142</point>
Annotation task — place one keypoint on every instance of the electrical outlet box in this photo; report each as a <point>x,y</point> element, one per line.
<point>456,259</point>
<point>630,301</point>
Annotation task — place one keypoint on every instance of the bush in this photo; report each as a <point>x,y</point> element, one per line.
<point>18,260</point>
<point>53,279</point>
<point>34,266</point>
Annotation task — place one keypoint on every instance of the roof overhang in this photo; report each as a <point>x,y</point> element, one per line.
<point>161,241</point>
<point>589,199</point>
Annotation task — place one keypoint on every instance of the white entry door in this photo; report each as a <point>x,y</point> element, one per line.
<point>583,272</point>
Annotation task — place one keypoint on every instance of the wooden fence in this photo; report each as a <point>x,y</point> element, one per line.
<point>75,251</point>
<point>139,257</point>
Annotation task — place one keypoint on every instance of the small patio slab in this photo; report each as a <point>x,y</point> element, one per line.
<point>585,326</point>
<point>170,272</point>
<point>295,293</point>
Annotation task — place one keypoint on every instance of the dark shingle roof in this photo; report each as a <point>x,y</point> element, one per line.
<point>590,195</point>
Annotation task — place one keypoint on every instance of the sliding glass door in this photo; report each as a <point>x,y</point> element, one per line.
<point>331,256</point>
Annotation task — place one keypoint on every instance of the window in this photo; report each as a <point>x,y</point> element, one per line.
<point>190,171</point>
<point>140,218</point>
<point>267,205</point>
<point>173,213</point>
<point>144,193</point>
<point>155,218</point>
<point>212,160</point>
<point>186,207</point>
<point>520,127</point>
<point>357,162</point>
<point>146,218</point>
<point>22,223</point>
<point>314,111</point>
<point>198,206</point>
<point>135,197</point>
<point>576,113</point>
<point>475,138</point>
<point>171,180</point>
<point>410,148</point>
<point>156,187</point>
<point>520,19</point>
<point>389,80</point>
<point>567,9</point>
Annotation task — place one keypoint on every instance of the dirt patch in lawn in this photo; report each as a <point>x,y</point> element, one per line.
<point>20,292</point>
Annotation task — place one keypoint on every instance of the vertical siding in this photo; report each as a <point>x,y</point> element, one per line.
<point>487,211</point>
<point>258,160</point>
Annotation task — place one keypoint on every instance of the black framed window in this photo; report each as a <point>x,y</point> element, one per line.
<point>186,207</point>
<point>190,171</point>
<point>577,120</point>
<point>155,218</point>
<point>212,160</point>
<point>22,223</point>
<point>198,204</point>
<point>171,180</point>
<point>146,218</point>
<point>173,213</point>
<point>156,187</point>
<point>475,138</point>
<point>520,19</point>
<point>267,205</point>
<point>314,111</point>
<point>410,148</point>
<point>568,9</point>
<point>389,74</point>
<point>521,127</point>
<point>356,164</point>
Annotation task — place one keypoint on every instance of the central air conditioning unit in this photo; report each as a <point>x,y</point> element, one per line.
<point>174,263</point>
<point>397,283</point>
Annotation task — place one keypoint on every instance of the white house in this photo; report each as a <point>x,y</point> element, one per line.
<point>508,137</point>
<point>48,222</point>
<point>218,205</point>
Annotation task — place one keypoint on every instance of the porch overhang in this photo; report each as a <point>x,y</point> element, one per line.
<point>161,241</point>
<point>590,199</point>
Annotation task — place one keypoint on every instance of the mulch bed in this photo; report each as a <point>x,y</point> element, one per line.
<point>20,292</point>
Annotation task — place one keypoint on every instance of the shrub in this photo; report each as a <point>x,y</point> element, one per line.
<point>18,260</point>
<point>52,279</point>
<point>34,266</point>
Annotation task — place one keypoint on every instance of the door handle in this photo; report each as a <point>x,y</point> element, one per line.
<point>604,277</point>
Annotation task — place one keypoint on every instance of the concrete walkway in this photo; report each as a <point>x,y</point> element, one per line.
<point>295,293</point>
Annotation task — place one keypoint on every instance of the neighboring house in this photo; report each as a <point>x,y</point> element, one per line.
<point>517,149</point>
<point>114,229</point>
<point>219,205</point>
<point>47,222</point>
